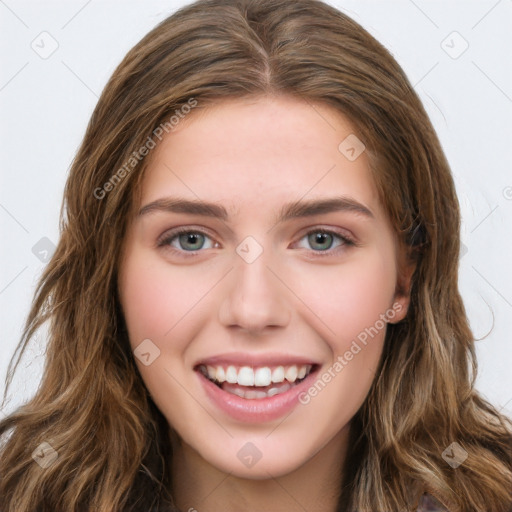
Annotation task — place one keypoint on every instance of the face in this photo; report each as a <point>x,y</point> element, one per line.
<point>258,320</point>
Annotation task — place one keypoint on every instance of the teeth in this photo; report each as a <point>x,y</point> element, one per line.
<point>251,394</point>
<point>281,389</point>
<point>261,376</point>
<point>231,375</point>
<point>278,374</point>
<point>291,374</point>
<point>246,376</point>
<point>211,372</point>
<point>220,375</point>
<point>239,392</point>
<point>272,391</point>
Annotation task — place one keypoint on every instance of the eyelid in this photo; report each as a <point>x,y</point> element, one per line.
<point>346,240</point>
<point>174,232</point>
<point>164,240</point>
<point>329,230</point>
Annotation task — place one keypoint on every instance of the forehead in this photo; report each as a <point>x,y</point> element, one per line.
<point>257,151</point>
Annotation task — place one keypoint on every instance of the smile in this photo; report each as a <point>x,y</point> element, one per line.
<point>254,389</point>
<point>255,383</point>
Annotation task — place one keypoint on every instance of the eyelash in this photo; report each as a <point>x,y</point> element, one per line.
<point>168,237</point>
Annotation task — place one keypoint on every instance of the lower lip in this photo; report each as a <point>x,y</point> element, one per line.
<point>258,410</point>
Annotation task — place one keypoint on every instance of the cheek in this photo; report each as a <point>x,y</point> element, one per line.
<point>144,297</point>
<point>158,304</point>
<point>351,297</point>
<point>155,299</point>
<point>352,304</point>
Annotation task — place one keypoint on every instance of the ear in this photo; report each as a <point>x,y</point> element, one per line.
<point>402,296</point>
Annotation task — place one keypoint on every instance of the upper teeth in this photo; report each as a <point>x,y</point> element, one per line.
<point>259,376</point>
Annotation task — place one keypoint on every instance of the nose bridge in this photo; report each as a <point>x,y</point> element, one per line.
<point>254,298</point>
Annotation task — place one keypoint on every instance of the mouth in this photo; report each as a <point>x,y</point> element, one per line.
<point>256,383</point>
<point>252,393</point>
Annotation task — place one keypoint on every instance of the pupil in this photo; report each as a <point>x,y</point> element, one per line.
<point>322,238</point>
<point>191,238</point>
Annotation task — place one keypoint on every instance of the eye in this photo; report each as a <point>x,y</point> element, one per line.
<point>321,240</point>
<point>185,240</point>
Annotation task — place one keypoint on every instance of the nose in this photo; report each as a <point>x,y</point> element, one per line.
<point>255,299</point>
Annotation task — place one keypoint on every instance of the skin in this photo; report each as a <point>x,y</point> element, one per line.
<point>252,156</point>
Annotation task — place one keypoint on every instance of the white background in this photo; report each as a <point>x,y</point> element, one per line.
<point>45,105</point>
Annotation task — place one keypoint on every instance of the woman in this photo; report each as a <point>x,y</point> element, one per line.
<point>257,371</point>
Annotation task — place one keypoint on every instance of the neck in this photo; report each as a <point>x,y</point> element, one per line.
<point>314,486</point>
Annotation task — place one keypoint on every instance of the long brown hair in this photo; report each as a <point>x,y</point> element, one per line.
<point>92,408</point>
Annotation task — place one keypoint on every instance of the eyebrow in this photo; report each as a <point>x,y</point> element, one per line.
<point>293,210</point>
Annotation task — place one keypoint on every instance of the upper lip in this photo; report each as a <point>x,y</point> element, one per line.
<point>248,359</point>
